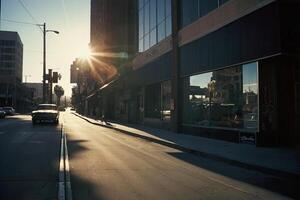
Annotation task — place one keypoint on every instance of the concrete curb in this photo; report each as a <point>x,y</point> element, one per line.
<point>248,166</point>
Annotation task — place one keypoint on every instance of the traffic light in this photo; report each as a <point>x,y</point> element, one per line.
<point>55,77</point>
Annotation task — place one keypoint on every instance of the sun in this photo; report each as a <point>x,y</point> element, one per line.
<point>85,52</point>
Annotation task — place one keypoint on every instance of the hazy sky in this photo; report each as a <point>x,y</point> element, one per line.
<point>70,17</point>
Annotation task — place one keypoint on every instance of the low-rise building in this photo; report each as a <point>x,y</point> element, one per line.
<point>11,69</point>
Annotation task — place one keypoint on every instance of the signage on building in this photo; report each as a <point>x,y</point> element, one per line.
<point>248,138</point>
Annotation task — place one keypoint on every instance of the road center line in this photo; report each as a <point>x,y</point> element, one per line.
<point>61,174</point>
<point>64,185</point>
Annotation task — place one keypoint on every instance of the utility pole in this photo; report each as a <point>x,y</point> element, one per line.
<point>44,58</point>
<point>44,63</point>
<point>50,81</point>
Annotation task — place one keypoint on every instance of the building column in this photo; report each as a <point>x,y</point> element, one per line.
<point>176,100</point>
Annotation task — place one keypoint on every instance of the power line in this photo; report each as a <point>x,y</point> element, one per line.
<point>17,22</point>
<point>28,12</point>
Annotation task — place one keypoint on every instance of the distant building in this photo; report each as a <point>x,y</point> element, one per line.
<point>11,70</point>
<point>37,89</point>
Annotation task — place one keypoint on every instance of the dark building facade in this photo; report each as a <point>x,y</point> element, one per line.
<point>225,69</point>
<point>11,71</point>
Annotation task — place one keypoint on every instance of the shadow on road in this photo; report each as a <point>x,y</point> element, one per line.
<point>284,186</point>
<point>29,159</point>
<point>85,189</point>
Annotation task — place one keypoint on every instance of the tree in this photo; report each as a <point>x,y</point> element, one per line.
<point>59,92</point>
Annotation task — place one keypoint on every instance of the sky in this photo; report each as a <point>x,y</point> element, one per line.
<point>70,17</point>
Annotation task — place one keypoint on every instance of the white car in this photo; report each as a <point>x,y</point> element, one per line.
<point>45,113</point>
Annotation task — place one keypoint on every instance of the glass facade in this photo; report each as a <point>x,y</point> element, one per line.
<point>155,22</point>
<point>158,100</point>
<point>223,98</point>
<point>191,10</point>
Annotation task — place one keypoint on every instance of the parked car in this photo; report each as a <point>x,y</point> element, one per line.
<point>2,113</point>
<point>9,110</point>
<point>45,113</point>
<point>61,108</point>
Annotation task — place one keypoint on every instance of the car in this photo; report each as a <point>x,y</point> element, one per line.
<point>2,113</point>
<point>61,108</point>
<point>9,110</point>
<point>45,113</point>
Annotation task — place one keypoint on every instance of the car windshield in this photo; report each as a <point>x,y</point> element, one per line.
<point>47,107</point>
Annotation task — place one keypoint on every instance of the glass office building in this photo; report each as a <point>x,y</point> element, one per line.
<point>230,70</point>
<point>155,23</point>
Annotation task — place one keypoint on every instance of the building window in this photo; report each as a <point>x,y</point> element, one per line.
<point>154,17</point>
<point>166,93</point>
<point>192,10</point>
<point>224,98</point>
<point>152,101</point>
<point>158,101</point>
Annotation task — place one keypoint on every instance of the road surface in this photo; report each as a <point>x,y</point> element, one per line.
<point>106,164</point>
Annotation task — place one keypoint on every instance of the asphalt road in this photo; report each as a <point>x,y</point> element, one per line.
<point>105,164</point>
<point>28,159</point>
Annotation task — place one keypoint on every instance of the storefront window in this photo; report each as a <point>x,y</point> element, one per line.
<point>223,98</point>
<point>166,100</point>
<point>152,101</point>
<point>158,100</point>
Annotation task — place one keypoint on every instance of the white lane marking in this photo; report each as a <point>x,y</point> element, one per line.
<point>61,174</point>
<point>64,186</point>
<point>67,172</point>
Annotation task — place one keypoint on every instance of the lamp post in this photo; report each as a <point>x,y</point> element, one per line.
<point>44,58</point>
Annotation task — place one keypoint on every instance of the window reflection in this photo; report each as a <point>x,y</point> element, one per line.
<point>191,10</point>
<point>154,17</point>
<point>223,98</point>
<point>158,101</point>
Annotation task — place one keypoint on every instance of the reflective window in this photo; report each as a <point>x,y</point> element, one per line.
<point>155,21</point>
<point>158,101</point>
<point>146,41</point>
<point>153,38</point>
<point>168,8</point>
<point>141,23</point>
<point>205,6</point>
<point>191,10</point>
<point>147,18</point>
<point>153,14</point>
<point>223,98</point>
<point>152,101</point>
<point>168,26</point>
<point>161,10</point>
<point>161,32</point>
<point>222,2</point>
<point>166,100</point>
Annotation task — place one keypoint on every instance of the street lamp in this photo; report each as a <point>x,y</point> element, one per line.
<point>44,58</point>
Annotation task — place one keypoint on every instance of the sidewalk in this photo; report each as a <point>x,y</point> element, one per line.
<point>277,161</point>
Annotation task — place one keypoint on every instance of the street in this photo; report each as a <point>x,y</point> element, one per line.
<point>106,164</point>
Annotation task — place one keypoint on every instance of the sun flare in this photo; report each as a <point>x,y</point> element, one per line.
<point>85,53</point>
